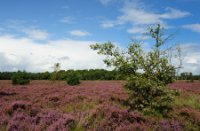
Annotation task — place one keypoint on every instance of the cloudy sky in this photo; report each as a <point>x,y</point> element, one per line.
<point>35,34</point>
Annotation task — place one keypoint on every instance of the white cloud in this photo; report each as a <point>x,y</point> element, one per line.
<point>36,34</point>
<point>105,2</point>
<point>110,24</point>
<point>139,33</point>
<point>174,14</point>
<point>191,58</point>
<point>193,27</point>
<point>79,33</point>
<point>107,24</point>
<point>137,13</point>
<point>24,53</point>
<point>67,20</point>
<point>137,30</point>
<point>141,37</point>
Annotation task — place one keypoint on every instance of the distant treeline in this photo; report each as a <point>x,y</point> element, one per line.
<point>92,74</point>
<point>188,76</point>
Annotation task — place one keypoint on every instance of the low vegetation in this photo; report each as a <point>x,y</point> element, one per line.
<point>20,78</point>
<point>73,79</point>
<point>93,105</point>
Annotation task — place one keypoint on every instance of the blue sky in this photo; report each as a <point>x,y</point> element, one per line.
<point>35,34</point>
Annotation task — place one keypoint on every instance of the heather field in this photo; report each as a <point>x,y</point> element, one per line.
<point>92,105</point>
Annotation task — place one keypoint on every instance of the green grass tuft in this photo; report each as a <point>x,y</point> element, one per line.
<point>188,100</point>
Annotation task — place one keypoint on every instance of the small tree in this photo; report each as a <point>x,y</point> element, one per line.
<point>55,74</point>
<point>148,92</point>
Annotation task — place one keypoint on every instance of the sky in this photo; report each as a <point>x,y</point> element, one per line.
<point>36,34</point>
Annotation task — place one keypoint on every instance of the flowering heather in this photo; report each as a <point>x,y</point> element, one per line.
<point>23,118</point>
<point>167,125</point>
<point>92,105</point>
<point>115,118</point>
<point>190,114</point>
<point>193,87</point>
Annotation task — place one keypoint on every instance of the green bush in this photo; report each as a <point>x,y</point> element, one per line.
<point>149,96</point>
<point>73,79</point>
<point>20,78</point>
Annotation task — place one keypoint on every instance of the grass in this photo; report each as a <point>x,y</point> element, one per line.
<point>188,100</point>
<point>2,127</point>
<point>78,127</point>
<point>81,106</point>
<point>89,118</point>
<point>190,126</point>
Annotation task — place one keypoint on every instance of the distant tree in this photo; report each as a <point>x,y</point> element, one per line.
<point>148,91</point>
<point>55,74</point>
<point>191,79</point>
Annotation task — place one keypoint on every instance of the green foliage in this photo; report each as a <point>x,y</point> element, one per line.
<point>148,96</point>
<point>148,91</point>
<point>188,100</point>
<point>20,78</point>
<point>91,74</point>
<point>45,76</point>
<point>73,79</point>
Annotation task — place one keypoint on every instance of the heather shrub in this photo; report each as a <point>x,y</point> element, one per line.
<point>113,118</point>
<point>18,105</point>
<point>190,115</point>
<point>28,119</point>
<point>166,125</point>
<point>20,78</point>
<point>65,123</point>
<point>73,79</point>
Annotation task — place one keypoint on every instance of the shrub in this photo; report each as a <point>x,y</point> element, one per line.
<point>73,79</point>
<point>20,78</point>
<point>148,96</point>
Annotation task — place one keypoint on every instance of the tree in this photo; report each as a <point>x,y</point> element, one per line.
<point>56,67</point>
<point>147,72</point>
<point>191,77</point>
<point>55,74</point>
